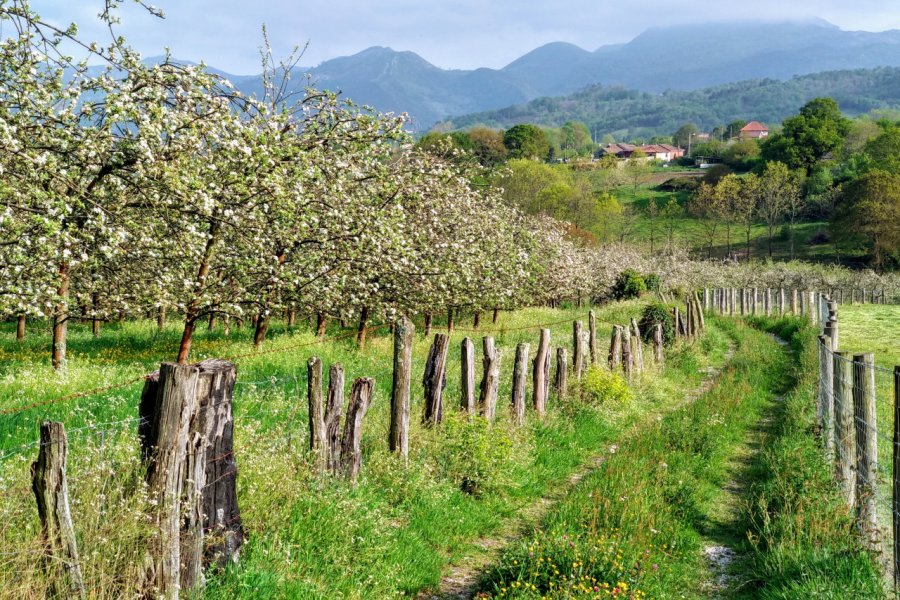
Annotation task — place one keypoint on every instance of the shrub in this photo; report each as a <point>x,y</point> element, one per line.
<point>629,284</point>
<point>599,386</point>
<point>653,282</point>
<point>472,453</point>
<point>657,314</point>
<point>679,184</point>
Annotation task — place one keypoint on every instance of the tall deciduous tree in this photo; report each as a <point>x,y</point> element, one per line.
<point>869,216</point>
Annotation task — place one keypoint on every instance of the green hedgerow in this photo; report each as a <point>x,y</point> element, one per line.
<point>657,314</point>
<point>629,284</point>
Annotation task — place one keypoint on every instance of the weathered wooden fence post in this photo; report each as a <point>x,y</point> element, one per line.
<point>490,381</point>
<point>520,377</point>
<point>467,376</point>
<point>768,302</point>
<point>867,446</point>
<point>541,373</point>
<point>754,301</point>
<point>637,347</point>
<point>561,383</point>
<point>795,305</point>
<point>845,431</point>
<point>826,394</point>
<point>627,358</point>
<point>404,333</point>
<point>334,404</point>
<point>175,399</point>
<point>435,378</point>
<point>615,348</point>
<point>317,439</point>
<point>51,491</point>
<point>351,441</point>
<point>895,498</point>
<point>592,339</point>
<point>577,350</point>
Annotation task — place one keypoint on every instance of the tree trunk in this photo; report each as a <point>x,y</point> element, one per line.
<point>160,318</point>
<point>95,322</point>
<point>61,320</point>
<point>262,327</point>
<point>292,316</point>
<point>211,325</point>
<point>476,319</point>
<point>496,316</point>
<point>426,331</point>
<point>20,328</point>
<point>450,319</point>
<point>361,330</point>
<point>321,325</point>
<point>193,308</point>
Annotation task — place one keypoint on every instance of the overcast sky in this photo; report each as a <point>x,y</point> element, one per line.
<point>448,33</point>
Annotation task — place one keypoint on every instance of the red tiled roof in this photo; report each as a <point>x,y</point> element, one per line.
<point>754,126</point>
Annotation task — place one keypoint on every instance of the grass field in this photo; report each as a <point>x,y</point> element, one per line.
<point>308,537</point>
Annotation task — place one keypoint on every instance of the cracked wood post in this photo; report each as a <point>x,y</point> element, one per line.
<point>351,441</point>
<point>780,302</point>
<point>51,491</point>
<point>175,400</point>
<point>627,358</point>
<point>520,377</point>
<point>658,354</point>
<point>754,304</point>
<point>592,339</point>
<point>768,302</point>
<point>701,317</point>
<point>435,379</point>
<point>317,440</point>
<point>541,374</point>
<point>743,301</point>
<point>334,404</point>
<point>577,350</point>
<point>686,316</point>
<point>404,333</point>
<point>867,445</point>
<point>615,348</point>
<point>467,375</point>
<point>490,381</point>
<point>637,346</point>
<point>561,383</point>
<point>833,322</point>
<point>845,432</point>
<point>895,497</point>
<point>826,393</point>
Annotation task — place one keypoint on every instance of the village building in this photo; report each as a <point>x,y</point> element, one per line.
<point>754,130</point>
<point>663,152</point>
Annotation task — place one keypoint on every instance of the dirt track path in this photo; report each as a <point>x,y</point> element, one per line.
<point>461,580</point>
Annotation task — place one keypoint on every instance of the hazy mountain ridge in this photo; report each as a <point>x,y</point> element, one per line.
<point>633,114</point>
<point>674,58</point>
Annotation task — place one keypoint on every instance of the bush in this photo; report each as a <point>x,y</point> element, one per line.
<point>600,387</point>
<point>679,184</point>
<point>657,314</point>
<point>472,453</point>
<point>653,282</point>
<point>629,284</point>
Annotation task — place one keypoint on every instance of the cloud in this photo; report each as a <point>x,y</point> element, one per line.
<point>450,34</point>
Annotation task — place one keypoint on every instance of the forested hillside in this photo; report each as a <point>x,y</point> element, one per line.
<point>629,114</point>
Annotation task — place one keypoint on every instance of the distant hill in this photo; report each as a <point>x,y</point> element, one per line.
<point>675,58</point>
<point>634,114</point>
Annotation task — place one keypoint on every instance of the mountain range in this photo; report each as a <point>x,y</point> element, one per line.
<point>682,58</point>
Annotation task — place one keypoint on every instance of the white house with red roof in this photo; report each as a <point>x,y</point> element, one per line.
<point>754,130</point>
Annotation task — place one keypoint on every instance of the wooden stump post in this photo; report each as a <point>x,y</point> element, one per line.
<point>317,438</point>
<point>627,358</point>
<point>658,354</point>
<point>334,404</point>
<point>520,377</point>
<point>845,431</point>
<point>592,339</point>
<point>895,497</point>
<point>490,381</point>
<point>467,384</point>
<point>795,303</point>
<point>351,441</point>
<point>561,383</point>
<point>577,350</point>
<point>398,437</point>
<point>541,374</point>
<point>637,347</point>
<point>867,446</point>
<point>615,348</point>
<point>826,394</point>
<point>175,402</point>
<point>51,491</point>
<point>435,379</point>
